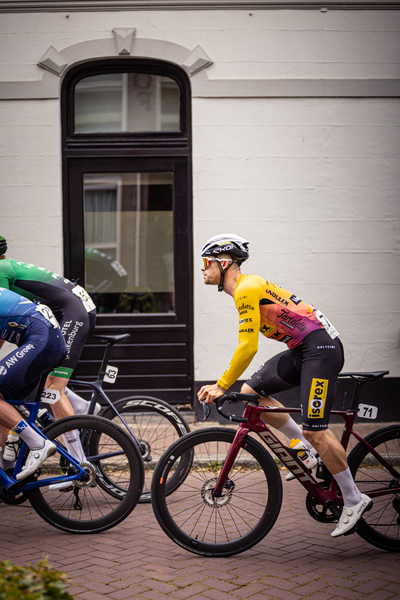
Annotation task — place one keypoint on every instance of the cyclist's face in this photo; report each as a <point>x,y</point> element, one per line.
<point>210,270</point>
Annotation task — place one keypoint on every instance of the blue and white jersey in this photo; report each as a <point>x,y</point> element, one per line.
<point>16,313</point>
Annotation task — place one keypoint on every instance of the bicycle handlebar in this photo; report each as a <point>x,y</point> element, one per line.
<point>232,397</point>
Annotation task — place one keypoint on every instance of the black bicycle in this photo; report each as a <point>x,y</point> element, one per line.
<point>153,423</point>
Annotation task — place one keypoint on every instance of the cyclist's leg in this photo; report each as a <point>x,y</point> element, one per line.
<point>76,324</point>
<point>278,374</point>
<point>322,360</point>
<point>79,404</point>
<point>42,348</point>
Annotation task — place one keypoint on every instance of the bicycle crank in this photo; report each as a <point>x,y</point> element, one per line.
<point>207,493</point>
<point>12,499</point>
<point>318,511</point>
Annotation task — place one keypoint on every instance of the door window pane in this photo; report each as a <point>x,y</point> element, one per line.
<point>118,102</point>
<point>129,253</point>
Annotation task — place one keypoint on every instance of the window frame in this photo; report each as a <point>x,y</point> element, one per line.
<point>150,149</point>
<point>109,139</point>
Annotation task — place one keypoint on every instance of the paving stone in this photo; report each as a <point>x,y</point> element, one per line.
<point>297,560</point>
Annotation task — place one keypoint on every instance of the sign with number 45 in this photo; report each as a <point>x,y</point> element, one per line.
<point>367,411</point>
<point>111,374</point>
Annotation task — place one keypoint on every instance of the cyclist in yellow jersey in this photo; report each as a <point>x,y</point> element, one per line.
<point>312,362</point>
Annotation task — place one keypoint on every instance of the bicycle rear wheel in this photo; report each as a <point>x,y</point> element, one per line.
<point>381,525</point>
<point>87,507</point>
<point>240,518</point>
<point>157,425</point>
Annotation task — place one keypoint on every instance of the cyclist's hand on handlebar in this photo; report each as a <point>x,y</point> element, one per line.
<point>209,393</point>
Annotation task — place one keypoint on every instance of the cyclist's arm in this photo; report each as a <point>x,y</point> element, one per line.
<point>247,300</point>
<point>7,275</point>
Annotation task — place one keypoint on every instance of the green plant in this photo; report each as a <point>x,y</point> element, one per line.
<point>34,582</point>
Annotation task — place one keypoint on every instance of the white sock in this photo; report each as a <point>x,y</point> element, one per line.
<point>29,435</point>
<point>79,405</point>
<point>350,492</point>
<point>293,431</point>
<point>73,445</point>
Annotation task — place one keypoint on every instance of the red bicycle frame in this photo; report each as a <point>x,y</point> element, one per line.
<point>327,497</point>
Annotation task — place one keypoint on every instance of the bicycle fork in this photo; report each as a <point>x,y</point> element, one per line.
<point>230,459</point>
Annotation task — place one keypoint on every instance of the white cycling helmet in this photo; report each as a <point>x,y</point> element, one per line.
<point>226,243</point>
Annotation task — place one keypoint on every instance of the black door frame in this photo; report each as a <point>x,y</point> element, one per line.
<point>134,152</point>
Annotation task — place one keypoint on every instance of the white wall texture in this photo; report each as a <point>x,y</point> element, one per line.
<point>312,182</point>
<point>314,185</point>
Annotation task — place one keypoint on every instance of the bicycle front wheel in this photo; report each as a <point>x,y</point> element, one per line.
<point>87,506</point>
<point>223,526</point>
<point>381,525</point>
<point>157,425</point>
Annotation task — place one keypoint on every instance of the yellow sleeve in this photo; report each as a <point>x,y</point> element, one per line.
<point>247,300</point>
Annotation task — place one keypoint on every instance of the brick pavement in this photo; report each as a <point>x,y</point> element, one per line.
<point>297,560</point>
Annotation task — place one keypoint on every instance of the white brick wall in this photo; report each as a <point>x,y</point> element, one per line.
<point>313,183</point>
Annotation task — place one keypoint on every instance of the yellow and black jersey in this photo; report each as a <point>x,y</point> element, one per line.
<point>276,313</point>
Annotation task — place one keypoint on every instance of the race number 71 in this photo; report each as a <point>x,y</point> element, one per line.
<point>367,411</point>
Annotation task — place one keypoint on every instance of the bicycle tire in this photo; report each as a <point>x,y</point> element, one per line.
<point>381,525</point>
<point>98,511</point>
<point>157,425</point>
<point>247,509</point>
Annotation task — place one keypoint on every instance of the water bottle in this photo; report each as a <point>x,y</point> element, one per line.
<point>45,417</point>
<point>12,447</point>
<point>303,453</point>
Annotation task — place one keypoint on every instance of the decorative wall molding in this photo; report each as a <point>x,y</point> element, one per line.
<point>14,6</point>
<point>196,61</point>
<point>124,38</point>
<point>55,63</point>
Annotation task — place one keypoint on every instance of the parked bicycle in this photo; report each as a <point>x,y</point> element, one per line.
<point>112,460</point>
<point>153,423</point>
<point>232,492</point>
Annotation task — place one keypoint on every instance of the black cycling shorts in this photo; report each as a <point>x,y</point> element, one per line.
<point>42,349</point>
<point>76,323</point>
<point>314,366</point>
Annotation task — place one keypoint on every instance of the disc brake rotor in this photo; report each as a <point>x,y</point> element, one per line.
<point>90,476</point>
<point>210,500</point>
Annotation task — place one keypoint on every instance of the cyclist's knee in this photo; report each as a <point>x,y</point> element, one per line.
<point>246,389</point>
<point>315,437</point>
<point>56,383</point>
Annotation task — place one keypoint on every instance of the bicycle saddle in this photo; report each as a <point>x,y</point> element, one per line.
<point>111,339</point>
<point>371,376</point>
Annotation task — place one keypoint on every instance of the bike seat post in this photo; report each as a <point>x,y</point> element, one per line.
<point>104,363</point>
<point>357,393</point>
